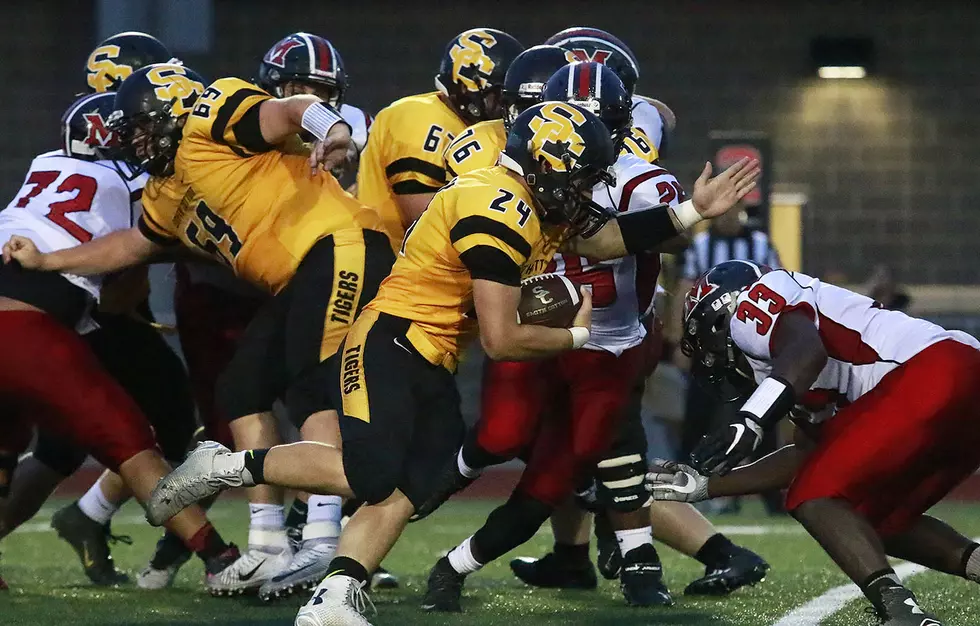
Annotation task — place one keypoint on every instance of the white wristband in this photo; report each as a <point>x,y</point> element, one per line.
<point>580,336</point>
<point>686,214</point>
<point>318,118</point>
<point>767,397</point>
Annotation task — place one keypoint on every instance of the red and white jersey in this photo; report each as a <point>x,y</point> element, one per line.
<point>863,341</point>
<point>360,124</point>
<point>66,201</point>
<point>647,118</point>
<point>623,289</point>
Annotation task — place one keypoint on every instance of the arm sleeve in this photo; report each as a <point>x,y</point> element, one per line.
<point>230,116</point>
<point>490,249</point>
<point>759,308</point>
<point>409,166</point>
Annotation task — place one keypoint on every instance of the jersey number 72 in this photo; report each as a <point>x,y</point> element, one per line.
<point>86,186</point>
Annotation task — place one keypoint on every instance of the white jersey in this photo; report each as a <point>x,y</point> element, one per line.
<point>863,341</point>
<point>360,123</point>
<point>622,289</point>
<point>66,201</point>
<point>647,118</point>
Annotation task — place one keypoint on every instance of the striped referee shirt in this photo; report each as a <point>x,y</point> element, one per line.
<point>709,249</point>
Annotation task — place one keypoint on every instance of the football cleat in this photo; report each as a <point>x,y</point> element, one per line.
<point>337,601</point>
<point>90,540</point>
<point>306,568</point>
<point>248,572</point>
<point>553,572</point>
<point>383,579</point>
<point>444,588</point>
<point>209,469</point>
<point>899,607</point>
<point>642,578</point>
<point>743,567</point>
<point>169,556</point>
<point>452,482</point>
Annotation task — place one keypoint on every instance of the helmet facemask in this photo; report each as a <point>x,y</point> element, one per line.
<point>566,197</point>
<point>716,362</point>
<point>148,141</point>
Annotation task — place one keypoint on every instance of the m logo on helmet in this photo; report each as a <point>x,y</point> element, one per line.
<point>697,293</point>
<point>580,54</point>
<point>98,135</point>
<point>277,56</point>
<point>101,72</point>
<point>174,86</point>
<point>556,134</point>
<point>470,60</point>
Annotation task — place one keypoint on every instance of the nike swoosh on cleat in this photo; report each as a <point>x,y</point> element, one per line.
<point>281,577</point>
<point>248,575</point>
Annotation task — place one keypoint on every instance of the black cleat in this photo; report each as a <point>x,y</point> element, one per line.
<point>642,578</point>
<point>900,608</point>
<point>383,579</point>
<point>608,557</point>
<point>90,540</point>
<point>553,572</point>
<point>445,587</point>
<point>743,567</point>
<point>451,482</point>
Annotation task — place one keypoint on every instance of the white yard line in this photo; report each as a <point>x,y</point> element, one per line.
<point>814,611</point>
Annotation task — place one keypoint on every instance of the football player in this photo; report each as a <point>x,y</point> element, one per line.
<point>402,166</point>
<point>217,187</point>
<point>653,119</point>
<point>72,196</point>
<point>462,261</point>
<point>885,408</point>
<point>593,385</point>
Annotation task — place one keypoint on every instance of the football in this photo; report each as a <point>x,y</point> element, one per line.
<point>548,300</point>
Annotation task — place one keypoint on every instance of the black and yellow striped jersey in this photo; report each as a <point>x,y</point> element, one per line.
<point>242,201</point>
<point>639,145</point>
<point>478,146</point>
<point>403,156</point>
<point>481,226</point>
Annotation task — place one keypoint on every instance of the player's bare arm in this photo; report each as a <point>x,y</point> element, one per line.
<point>650,229</point>
<point>504,339</point>
<point>115,251</point>
<point>280,118</point>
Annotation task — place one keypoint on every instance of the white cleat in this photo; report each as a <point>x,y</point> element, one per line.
<point>208,469</point>
<point>308,567</point>
<point>153,579</point>
<point>248,573</point>
<point>337,601</point>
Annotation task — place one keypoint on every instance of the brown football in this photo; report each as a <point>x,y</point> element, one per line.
<point>548,300</point>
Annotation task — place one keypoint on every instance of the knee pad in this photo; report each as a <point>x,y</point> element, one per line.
<point>620,483</point>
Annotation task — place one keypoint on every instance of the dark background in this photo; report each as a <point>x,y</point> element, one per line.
<point>888,163</point>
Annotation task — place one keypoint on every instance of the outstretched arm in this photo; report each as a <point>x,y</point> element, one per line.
<point>115,251</point>
<point>282,117</point>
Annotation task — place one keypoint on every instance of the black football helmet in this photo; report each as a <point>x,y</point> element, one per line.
<point>708,310</point>
<point>595,88</point>
<point>592,44</point>
<point>307,59</point>
<point>117,57</point>
<point>151,107</point>
<point>526,76</point>
<point>562,151</point>
<point>471,74</point>
<point>85,133</point>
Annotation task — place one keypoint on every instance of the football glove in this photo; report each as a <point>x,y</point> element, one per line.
<point>676,482</point>
<point>721,451</point>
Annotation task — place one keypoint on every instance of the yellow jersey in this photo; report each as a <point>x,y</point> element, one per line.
<point>478,146</point>
<point>482,225</point>
<point>403,156</point>
<point>240,200</point>
<point>638,144</point>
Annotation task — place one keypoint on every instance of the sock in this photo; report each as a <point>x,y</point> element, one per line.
<point>323,518</point>
<point>169,549</point>
<point>571,553</point>
<point>95,506</point>
<point>346,566</point>
<point>255,465</point>
<point>266,530</point>
<point>297,514</point>
<point>633,538</point>
<point>971,563</point>
<point>207,543</point>
<point>873,584</point>
<point>462,560</point>
<point>716,551</point>
<point>464,469</point>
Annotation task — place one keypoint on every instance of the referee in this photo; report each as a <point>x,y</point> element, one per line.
<point>727,239</point>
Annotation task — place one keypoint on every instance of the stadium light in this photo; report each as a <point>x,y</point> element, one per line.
<point>842,57</point>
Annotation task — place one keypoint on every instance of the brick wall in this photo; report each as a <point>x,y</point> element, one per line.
<point>888,163</point>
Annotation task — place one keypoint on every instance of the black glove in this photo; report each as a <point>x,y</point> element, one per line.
<point>719,452</point>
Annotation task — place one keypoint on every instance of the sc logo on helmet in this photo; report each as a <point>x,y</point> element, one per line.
<point>468,52</point>
<point>173,84</point>
<point>556,135</point>
<point>101,72</point>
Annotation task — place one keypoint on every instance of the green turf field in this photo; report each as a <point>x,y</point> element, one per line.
<point>48,587</point>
